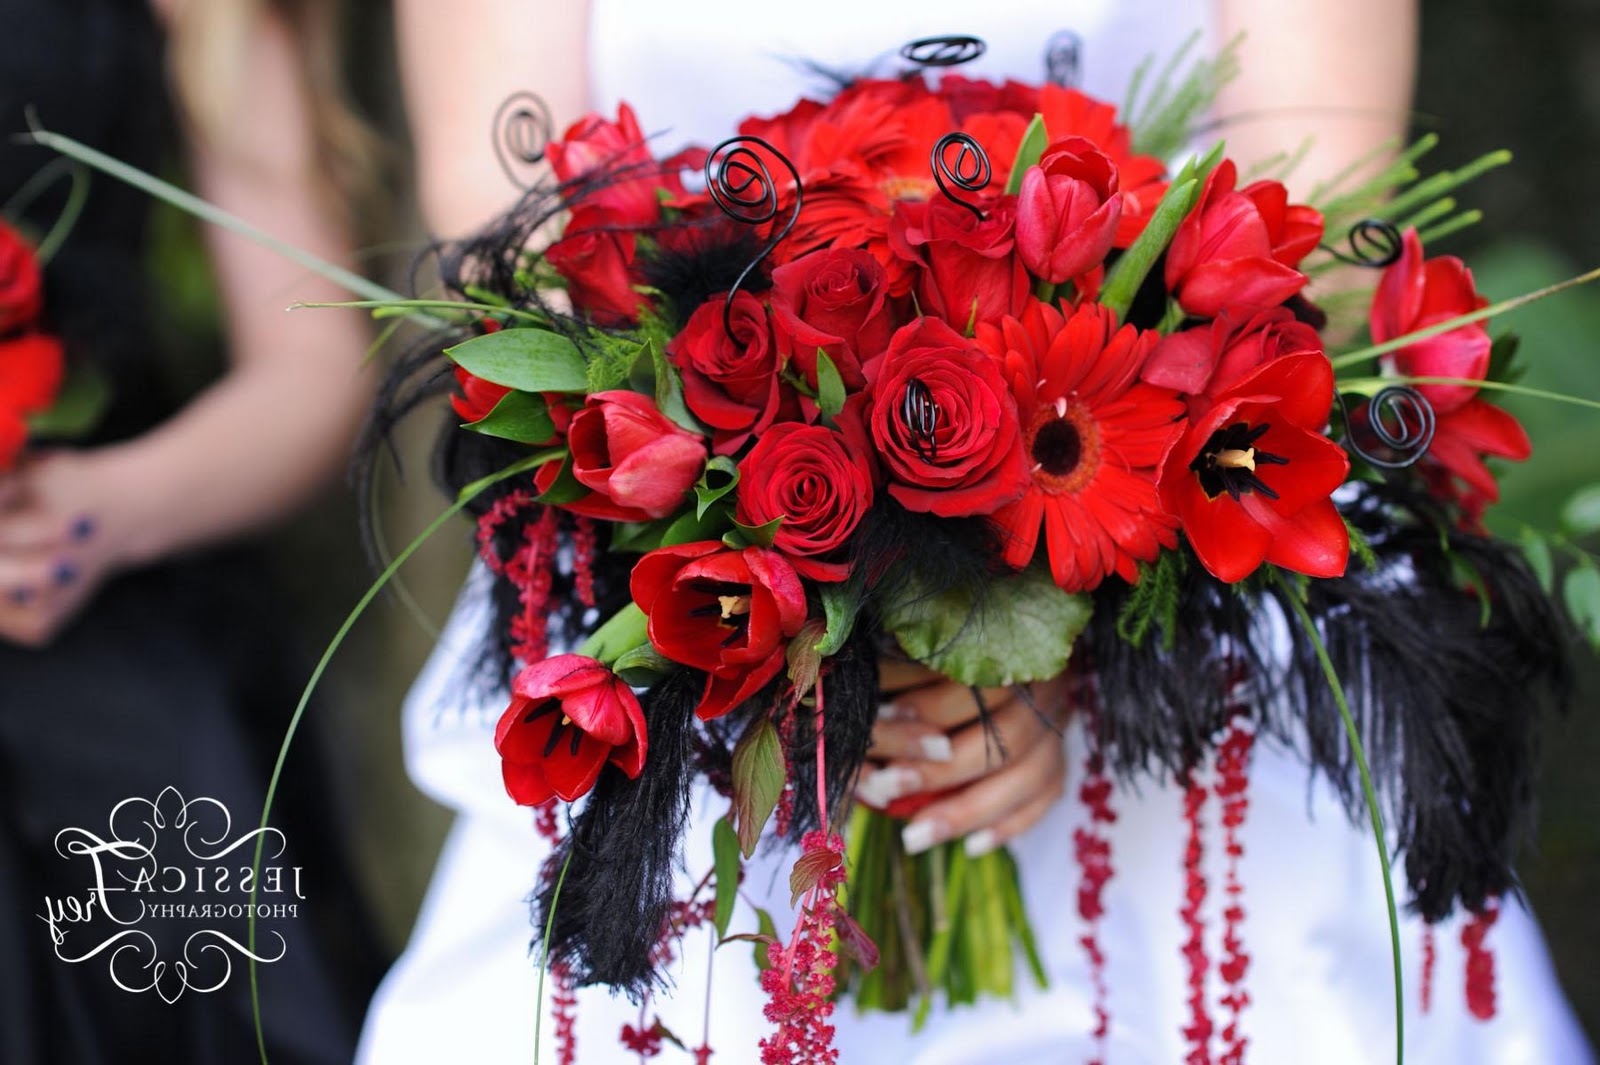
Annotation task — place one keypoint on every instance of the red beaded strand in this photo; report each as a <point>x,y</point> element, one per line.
<point>1233,791</point>
<point>1429,957</point>
<point>1480,961</point>
<point>1092,846</point>
<point>1198,1030</point>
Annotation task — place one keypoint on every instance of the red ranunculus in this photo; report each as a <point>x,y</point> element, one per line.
<point>932,378</point>
<point>729,613</point>
<point>1240,248</point>
<point>20,298</point>
<point>1414,294</point>
<point>595,258</point>
<point>819,481</point>
<point>1208,359</point>
<point>969,268</point>
<point>1093,435</point>
<point>1251,481</point>
<point>1067,211</point>
<point>639,463</point>
<point>730,383</point>
<point>31,366</point>
<point>836,300</point>
<point>617,152</point>
<point>569,716</point>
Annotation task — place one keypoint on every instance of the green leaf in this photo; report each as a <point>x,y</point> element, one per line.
<point>1580,516</point>
<point>611,359</point>
<point>768,934</point>
<point>522,417</point>
<point>804,660</point>
<point>1124,279</point>
<point>653,374</point>
<point>693,527</point>
<point>565,488</point>
<point>639,536</point>
<point>1581,593</point>
<point>1022,630</point>
<point>527,359</point>
<point>830,387</point>
<point>1503,364</point>
<point>643,666</point>
<point>78,407</point>
<point>808,871</point>
<point>720,477</point>
<point>758,776</point>
<point>841,602</point>
<point>1537,551</point>
<point>626,630</point>
<point>1034,141</point>
<point>725,856</point>
<point>762,535</point>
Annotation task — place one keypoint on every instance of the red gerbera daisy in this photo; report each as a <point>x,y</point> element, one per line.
<point>1093,435</point>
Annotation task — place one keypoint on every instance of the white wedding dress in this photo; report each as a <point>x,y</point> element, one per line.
<point>465,989</point>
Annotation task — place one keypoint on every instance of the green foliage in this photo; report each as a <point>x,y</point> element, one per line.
<point>841,602</point>
<point>521,417</point>
<point>1128,273</point>
<point>1021,631</point>
<point>611,360</point>
<point>653,375</point>
<point>1163,119</point>
<point>830,387</point>
<point>1154,599</point>
<point>1034,141</point>
<point>758,776</point>
<point>725,858</point>
<point>78,407</point>
<point>527,359</point>
<point>721,476</point>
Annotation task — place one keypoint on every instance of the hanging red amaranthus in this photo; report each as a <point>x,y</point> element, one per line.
<point>1480,961</point>
<point>1092,845</point>
<point>1198,1030</point>
<point>1233,791</point>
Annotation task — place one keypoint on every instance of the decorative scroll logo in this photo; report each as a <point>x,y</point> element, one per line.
<point>167,897</point>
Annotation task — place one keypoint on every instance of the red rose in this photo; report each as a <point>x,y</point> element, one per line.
<point>1414,294</point>
<point>731,384</point>
<point>971,462</point>
<point>970,271</point>
<point>616,152</point>
<point>836,300</point>
<point>639,463</point>
<point>1208,359</point>
<point>595,258</point>
<point>1067,211</point>
<point>569,716</point>
<point>819,482</point>
<point>20,298</point>
<point>30,372</point>
<point>729,613</point>
<point>1251,481</point>
<point>1240,247</point>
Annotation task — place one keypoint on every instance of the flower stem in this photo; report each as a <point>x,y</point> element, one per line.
<point>544,955</point>
<point>1359,753</point>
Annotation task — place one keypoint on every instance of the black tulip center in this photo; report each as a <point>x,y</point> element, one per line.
<point>1229,461</point>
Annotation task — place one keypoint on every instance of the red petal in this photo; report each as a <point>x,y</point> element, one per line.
<point>1314,542</point>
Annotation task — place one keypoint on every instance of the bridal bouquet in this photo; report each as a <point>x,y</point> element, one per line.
<point>964,373</point>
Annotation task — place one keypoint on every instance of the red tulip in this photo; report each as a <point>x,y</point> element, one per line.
<point>569,716</point>
<point>639,463</point>
<point>20,283</point>
<point>1415,294</point>
<point>729,613</point>
<point>1251,481</point>
<point>1067,211</point>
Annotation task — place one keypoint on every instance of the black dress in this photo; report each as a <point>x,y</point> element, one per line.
<point>176,675</point>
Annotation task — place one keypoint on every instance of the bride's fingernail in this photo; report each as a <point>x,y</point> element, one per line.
<point>64,574</point>
<point>896,712</point>
<point>83,528</point>
<point>20,596</point>
<point>980,843</point>
<point>883,786</point>
<point>918,836</point>
<point>936,748</point>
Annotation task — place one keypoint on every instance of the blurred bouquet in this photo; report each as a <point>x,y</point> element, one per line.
<point>30,358</point>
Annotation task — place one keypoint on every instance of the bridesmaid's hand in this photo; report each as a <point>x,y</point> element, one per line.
<point>928,739</point>
<point>53,549</point>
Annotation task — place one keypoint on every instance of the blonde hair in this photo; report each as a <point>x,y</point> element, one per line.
<point>208,42</point>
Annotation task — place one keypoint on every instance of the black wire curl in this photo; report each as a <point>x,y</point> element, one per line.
<point>1373,242</point>
<point>971,173</point>
<point>522,131</point>
<point>949,51</point>
<point>920,413</point>
<point>730,181</point>
<point>1403,421</point>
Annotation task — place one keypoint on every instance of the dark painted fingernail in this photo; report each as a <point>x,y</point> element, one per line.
<point>21,596</point>
<point>83,528</point>
<point>65,573</point>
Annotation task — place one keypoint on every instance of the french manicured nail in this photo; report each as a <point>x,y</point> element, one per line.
<point>20,596</point>
<point>83,528</point>
<point>64,574</point>
<point>883,786</point>
<point>980,843</point>
<point>936,748</point>
<point>896,712</point>
<point>918,836</point>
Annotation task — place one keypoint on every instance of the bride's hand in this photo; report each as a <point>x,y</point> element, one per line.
<point>928,739</point>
